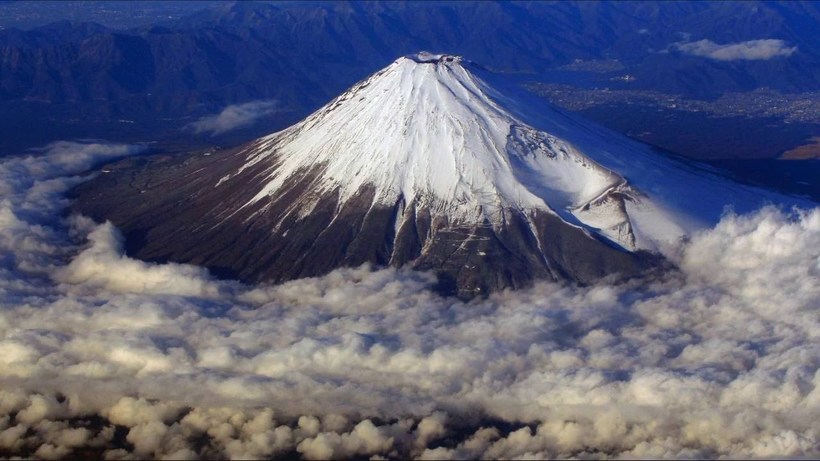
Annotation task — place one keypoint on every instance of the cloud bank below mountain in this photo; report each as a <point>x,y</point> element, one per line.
<point>109,355</point>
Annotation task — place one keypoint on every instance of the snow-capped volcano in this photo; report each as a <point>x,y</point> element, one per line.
<point>432,162</point>
<point>425,130</point>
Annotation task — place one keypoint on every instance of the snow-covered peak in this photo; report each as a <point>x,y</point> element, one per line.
<point>442,137</point>
<point>432,133</point>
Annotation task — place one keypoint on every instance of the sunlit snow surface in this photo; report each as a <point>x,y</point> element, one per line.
<point>443,132</point>
<point>102,355</point>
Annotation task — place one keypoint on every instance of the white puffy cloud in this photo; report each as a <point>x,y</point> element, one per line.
<point>102,352</point>
<point>364,439</point>
<point>233,117</point>
<point>104,266</point>
<point>751,50</point>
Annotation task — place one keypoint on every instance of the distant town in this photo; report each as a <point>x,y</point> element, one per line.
<point>763,102</point>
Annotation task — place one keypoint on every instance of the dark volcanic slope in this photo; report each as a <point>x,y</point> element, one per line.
<point>170,210</point>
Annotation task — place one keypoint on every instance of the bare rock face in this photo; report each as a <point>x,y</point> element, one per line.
<point>170,211</point>
<point>432,163</point>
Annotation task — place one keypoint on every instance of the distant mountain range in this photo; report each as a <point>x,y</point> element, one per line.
<point>300,54</point>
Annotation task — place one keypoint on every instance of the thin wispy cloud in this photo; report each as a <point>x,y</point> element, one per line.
<point>102,352</point>
<point>752,50</point>
<point>233,117</point>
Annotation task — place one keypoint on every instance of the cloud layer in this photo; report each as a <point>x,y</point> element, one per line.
<point>752,50</point>
<point>233,117</point>
<point>122,358</point>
